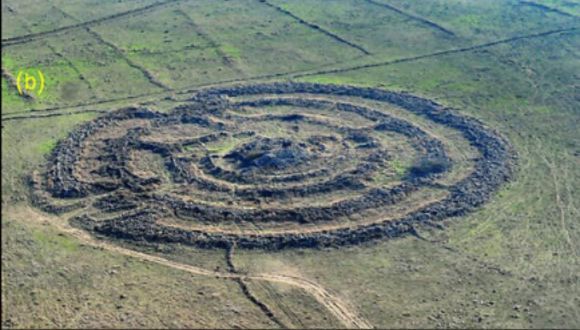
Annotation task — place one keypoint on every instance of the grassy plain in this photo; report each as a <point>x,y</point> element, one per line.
<point>514,263</point>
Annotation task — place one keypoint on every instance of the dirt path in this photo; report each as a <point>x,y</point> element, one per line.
<point>338,307</point>
<point>334,304</point>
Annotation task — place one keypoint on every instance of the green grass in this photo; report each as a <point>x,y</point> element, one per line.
<point>524,230</point>
<point>372,27</point>
<point>54,242</point>
<point>481,21</point>
<point>224,147</point>
<point>232,51</point>
<point>565,6</point>
<point>11,100</point>
<point>520,249</point>
<point>50,279</point>
<point>399,168</point>
<point>47,146</point>
<point>26,144</point>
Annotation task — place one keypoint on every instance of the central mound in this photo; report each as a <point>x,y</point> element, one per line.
<point>266,154</point>
<point>274,166</point>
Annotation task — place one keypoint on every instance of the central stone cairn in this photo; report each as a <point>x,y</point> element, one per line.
<point>267,155</point>
<point>273,166</point>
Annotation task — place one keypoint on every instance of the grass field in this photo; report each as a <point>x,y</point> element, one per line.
<point>515,65</point>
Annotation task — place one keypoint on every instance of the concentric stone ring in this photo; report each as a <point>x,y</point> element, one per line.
<point>275,166</point>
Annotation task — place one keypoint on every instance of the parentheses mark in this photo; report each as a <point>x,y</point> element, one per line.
<point>41,82</point>
<point>18,82</point>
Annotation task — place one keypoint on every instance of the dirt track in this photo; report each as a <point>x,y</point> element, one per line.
<point>334,304</point>
<point>218,162</point>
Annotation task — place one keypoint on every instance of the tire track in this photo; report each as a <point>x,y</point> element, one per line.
<point>570,192</point>
<point>419,19</point>
<point>335,305</point>
<point>563,223</point>
<point>316,27</point>
<point>33,36</point>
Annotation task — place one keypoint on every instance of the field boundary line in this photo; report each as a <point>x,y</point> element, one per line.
<point>211,41</point>
<point>34,36</point>
<point>441,53</point>
<point>306,73</point>
<point>316,27</point>
<point>148,75</point>
<point>546,8</point>
<point>417,18</point>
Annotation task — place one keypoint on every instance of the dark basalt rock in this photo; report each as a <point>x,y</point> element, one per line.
<point>276,167</point>
<point>429,166</point>
<point>269,154</point>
